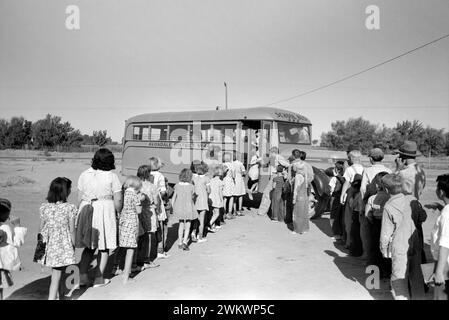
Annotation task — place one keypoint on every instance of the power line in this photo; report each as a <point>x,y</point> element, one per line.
<point>357,73</point>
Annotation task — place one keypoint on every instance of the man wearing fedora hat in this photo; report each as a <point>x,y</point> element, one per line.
<point>412,174</point>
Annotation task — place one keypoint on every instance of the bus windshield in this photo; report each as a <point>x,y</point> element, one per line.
<point>293,133</point>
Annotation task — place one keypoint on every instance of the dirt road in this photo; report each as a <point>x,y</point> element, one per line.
<point>251,258</point>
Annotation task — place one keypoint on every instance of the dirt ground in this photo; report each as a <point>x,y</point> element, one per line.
<point>250,258</point>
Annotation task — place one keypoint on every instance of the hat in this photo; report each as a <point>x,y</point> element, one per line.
<point>408,149</point>
<point>376,153</point>
<point>5,204</point>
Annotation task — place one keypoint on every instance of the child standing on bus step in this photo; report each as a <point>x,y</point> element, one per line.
<point>253,173</point>
<point>184,207</point>
<point>159,180</point>
<point>129,221</point>
<point>202,189</point>
<point>216,197</point>
<point>229,185</point>
<point>239,188</point>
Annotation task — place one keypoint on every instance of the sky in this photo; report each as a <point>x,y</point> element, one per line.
<point>142,56</point>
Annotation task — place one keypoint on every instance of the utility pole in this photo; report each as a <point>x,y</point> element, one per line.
<point>226,96</point>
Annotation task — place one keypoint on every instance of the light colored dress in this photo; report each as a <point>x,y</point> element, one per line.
<point>129,220</point>
<point>152,193</point>
<point>229,184</point>
<point>101,185</point>
<point>201,182</point>
<point>183,206</point>
<point>56,217</point>
<point>239,171</point>
<point>216,192</point>
<point>301,206</point>
<point>253,172</point>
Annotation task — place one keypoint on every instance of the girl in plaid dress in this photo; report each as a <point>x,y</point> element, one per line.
<point>129,221</point>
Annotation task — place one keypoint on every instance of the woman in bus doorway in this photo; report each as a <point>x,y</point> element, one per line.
<point>239,187</point>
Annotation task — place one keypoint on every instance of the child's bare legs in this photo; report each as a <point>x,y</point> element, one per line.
<point>214,216</point>
<point>238,205</point>
<point>254,187</point>
<point>102,261</point>
<point>181,228</point>
<point>186,234</point>
<point>201,218</point>
<point>229,204</point>
<point>128,264</point>
<point>54,285</point>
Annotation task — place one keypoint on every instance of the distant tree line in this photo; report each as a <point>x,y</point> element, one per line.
<point>49,133</point>
<point>366,135</point>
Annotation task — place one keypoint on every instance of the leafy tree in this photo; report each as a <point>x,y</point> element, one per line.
<point>358,131</point>
<point>100,138</point>
<point>432,142</point>
<point>3,133</point>
<point>407,130</point>
<point>50,132</point>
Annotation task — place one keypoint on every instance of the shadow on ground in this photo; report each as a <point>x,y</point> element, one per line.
<point>352,268</point>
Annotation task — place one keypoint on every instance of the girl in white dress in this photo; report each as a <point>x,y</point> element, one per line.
<point>239,187</point>
<point>229,185</point>
<point>100,187</point>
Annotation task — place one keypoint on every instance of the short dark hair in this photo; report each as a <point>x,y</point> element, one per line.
<point>296,153</point>
<point>185,175</point>
<point>103,160</point>
<point>194,165</point>
<point>202,168</point>
<point>329,172</point>
<point>5,209</point>
<point>443,184</point>
<point>144,172</point>
<point>302,155</point>
<point>378,179</point>
<point>59,190</point>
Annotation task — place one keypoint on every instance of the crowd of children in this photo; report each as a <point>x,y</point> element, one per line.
<point>374,212</point>
<point>146,202</point>
<point>377,216</point>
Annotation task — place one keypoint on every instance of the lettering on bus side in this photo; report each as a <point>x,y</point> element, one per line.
<point>292,117</point>
<point>181,145</point>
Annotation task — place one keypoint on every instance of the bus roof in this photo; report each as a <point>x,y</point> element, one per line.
<point>262,113</point>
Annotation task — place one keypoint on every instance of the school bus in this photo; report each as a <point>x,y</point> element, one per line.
<point>180,137</point>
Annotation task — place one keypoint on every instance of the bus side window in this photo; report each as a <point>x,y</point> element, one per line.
<point>224,133</point>
<point>137,132</point>
<point>159,132</point>
<point>178,132</point>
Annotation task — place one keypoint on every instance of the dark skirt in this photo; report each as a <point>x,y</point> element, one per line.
<point>337,216</point>
<point>355,248</point>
